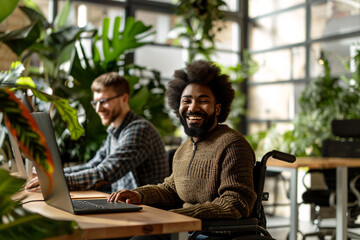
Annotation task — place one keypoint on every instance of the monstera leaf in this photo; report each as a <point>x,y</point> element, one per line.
<point>16,223</point>
<point>129,38</point>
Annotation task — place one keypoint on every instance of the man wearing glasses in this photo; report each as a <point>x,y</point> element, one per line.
<point>133,153</point>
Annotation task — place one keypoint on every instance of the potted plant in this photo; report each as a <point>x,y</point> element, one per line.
<point>16,222</point>
<point>326,101</point>
<point>54,44</point>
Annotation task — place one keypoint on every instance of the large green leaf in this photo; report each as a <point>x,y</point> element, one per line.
<point>62,19</point>
<point>30,4</point>
<point>21,39</point>
<point>7,7</point>
<point>139,99</point>
<point>17,223</point>
<point>24,128</point>
<point>35,15</point>
<point>67,113</point>
<point>129,38</point>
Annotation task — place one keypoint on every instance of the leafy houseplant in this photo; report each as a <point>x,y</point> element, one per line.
<point>147,89</point>
<point>16,222</point>
<point>54,44</point>
<point>238,74</point>
<point>200,21</point>
<point>326,98</point>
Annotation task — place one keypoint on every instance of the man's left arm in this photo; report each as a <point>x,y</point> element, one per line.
<point>236,190</point>
<point>132,149</point>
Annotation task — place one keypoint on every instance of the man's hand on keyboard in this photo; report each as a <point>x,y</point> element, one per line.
<point>33,185</point>
<point>127,196</point>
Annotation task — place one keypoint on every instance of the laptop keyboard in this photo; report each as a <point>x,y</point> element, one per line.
<point>93,204</point>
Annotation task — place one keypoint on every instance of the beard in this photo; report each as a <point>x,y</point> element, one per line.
<point>111,116</point>
<point>193,130</point>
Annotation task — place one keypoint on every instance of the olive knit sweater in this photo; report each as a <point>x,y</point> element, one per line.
<point>211,179</point>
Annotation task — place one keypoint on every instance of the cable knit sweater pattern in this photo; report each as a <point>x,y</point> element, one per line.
<point>212,178</point>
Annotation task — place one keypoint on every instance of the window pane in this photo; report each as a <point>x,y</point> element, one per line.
<point>274,101</point>
<point>257,127</point>
<point>336,50</point>
<point>334,17</point>
<point>298,90</point>
<point>162,24</point>
<point>225,58</point>
<point>282,29</point>
<point>232,5</point>
<point>228,38</point>
<point>95,13</point>
<point>292,65</point>
<point>260,7</point>
<point>164,59</point>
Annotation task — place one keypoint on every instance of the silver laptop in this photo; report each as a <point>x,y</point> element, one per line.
<point>11,158</point>
<point>59,195</point>
<point>17,157</point>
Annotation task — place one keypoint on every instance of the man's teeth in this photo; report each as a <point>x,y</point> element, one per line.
<point>194,118</point>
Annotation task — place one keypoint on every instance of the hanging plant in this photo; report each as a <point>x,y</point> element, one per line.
<point>200,21</point>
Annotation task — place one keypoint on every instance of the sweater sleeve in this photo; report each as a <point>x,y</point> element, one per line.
<point>163,194</point>
<point>236,195</point>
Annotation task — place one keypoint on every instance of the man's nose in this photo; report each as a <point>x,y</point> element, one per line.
<point>193,107</point>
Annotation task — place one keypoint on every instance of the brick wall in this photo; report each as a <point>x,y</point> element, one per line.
<point>14,21</point>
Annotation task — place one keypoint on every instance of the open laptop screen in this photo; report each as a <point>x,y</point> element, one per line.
<point>58,196</point>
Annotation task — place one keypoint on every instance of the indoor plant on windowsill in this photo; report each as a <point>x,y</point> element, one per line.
<point>325,99</point>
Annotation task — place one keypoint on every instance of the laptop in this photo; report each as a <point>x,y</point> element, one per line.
<point>11,158</point>
<point>59,195</point>
<point>19,161</point>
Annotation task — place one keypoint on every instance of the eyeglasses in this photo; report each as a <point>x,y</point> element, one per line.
<point>103,102</point>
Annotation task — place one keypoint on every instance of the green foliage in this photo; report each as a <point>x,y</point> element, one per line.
<point>130,38</point>
<point>25,132</point>
<point>147,89</point>
<point>7,7</point>
<point>237,75</point>
<point>12,78</point>
<point>326,98</point>
<point>200,20</point>
<point>54,44</point>
<point>17,223</point>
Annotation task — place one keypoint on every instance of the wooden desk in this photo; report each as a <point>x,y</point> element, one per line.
<point>115,225</point>
<point>341,165</point>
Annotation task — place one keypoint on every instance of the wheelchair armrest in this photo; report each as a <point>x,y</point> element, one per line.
<point>354,190</point>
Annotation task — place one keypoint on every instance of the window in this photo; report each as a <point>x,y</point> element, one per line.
<point>287,38</point>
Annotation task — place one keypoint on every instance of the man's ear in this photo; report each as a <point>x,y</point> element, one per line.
<point>125,97</point>
<point>217,109</point>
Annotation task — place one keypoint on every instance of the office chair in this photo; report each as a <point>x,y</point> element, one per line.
<point>253,227</point>
<point>327,197</point>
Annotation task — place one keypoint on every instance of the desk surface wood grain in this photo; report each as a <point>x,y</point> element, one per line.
<point>316,162</point>
<point>114,225</point>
